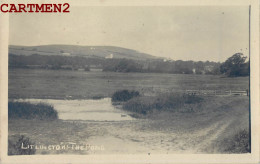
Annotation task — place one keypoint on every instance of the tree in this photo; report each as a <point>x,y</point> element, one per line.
<point>235,66</point>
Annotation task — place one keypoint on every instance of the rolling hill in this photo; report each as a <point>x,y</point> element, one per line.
<point>85,51</point>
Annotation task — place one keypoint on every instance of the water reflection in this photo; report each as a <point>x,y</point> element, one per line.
<point>93,110</point>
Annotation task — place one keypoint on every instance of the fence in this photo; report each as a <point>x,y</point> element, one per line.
<point>217,92</point>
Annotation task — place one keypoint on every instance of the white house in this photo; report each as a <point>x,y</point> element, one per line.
<point>66,54</point>
<point>109,56</point>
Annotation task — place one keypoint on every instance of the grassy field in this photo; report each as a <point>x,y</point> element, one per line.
<point>218,125</point>
<point>29,83</point>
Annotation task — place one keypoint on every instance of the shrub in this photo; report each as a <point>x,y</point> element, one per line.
<point>239,143</point>
<point>169,102</point>
<point>141,105</point>
<point>124,95</point>
<point>15,145</point>
<point>25,110</point>
<point>192,99</point>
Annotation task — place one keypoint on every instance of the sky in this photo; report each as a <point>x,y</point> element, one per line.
<point>196,33</point>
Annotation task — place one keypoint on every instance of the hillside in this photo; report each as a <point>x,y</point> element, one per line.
<point>84,51</point>
<point>106,58</point>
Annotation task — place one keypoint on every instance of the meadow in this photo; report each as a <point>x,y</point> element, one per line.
<point>62,84</point>
<point>217,124</point>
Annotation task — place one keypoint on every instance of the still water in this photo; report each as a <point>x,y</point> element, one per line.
<point>91,110</point>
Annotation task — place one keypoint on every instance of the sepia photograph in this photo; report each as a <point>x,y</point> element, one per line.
<point>130,80</point>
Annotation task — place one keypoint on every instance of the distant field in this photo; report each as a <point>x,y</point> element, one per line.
<point>60,84</point>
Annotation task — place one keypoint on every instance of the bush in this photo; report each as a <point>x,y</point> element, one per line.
<point>192,99</point>
<point>141,105</point>
<point>169,102</point>
<point>239,143</point>
<point>15,145</point>
<point>25,110</point>
<point>124,95</point>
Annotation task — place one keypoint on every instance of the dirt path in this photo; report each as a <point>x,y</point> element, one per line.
<point>209,135</point>
<point>197,134</point>
<point>128,139</point>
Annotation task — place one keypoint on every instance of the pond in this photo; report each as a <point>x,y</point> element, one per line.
<point>91,110</point>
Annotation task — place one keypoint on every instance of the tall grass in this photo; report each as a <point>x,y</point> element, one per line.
<point>15,145</point>
<point>238,143</point>
<point>166,102</point>
<point>25,110</point>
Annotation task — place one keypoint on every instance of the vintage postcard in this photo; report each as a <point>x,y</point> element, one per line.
<point>138,82</point>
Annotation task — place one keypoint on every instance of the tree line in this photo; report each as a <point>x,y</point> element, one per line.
<point>233,66</point>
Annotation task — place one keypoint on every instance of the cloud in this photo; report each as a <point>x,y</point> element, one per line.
<point>186,33</point>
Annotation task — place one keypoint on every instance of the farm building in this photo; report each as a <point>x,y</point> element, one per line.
<point>110,56</point>
<point>65,54</point>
